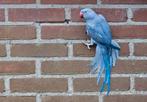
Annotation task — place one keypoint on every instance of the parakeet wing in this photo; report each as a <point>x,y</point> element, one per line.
<point>97,33</point>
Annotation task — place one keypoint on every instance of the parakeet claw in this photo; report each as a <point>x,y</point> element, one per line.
<point>87,44</point>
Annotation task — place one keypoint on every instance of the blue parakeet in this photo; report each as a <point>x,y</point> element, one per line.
<point>107,50</point>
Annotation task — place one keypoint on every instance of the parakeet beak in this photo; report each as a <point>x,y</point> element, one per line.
<point>81,15</point>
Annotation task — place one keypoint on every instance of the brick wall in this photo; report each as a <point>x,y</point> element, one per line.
<point>42,58</point>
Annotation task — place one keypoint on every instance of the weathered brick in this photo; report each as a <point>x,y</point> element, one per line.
<point>2,15</point>
<point>63,32</point>
<point>111,14</point>
<point>77,32</point>
<point>125,98</point>
<point>17,99</point>
<point>38,85</point>
<point>17,1</point>
<point>69,2</point>
<point>90,84</point>
<point>124,49</point>
<point>130,66</point>
<point>123,1</point>
<point>139,15</point>
<point>65,67</point>
<point>17,32</point>
<point>141,84</point>
<point>39,50</point>
<point>82,51</point>
<point>70,98</point>
<point>37,15</point>
<point>2,50</point>
<point>17,67</point>
<point>50,14</point>
<point>2,85</point>
<point>129,31</point>
<point>140,49</point>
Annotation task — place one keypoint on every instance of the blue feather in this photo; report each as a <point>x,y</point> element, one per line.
<point>102,60</point>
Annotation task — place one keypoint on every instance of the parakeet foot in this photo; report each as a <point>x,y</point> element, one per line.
<point>88,44</point>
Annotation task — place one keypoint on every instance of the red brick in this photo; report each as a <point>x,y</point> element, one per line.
<point>141,84</point>
<point>140,15</point>
<point>14,67</point>
<point>140,49</point>
<point>74,98</point>
<point>90,84</point>
<point>77,32</point>
<point>63,32</point>
<point>129,31</point>
<point>38,85</point>
<point>2,85</point>
<point>17,1</point>
<point>39,50</point>
<point>124,49</point>
<point>112,15</point>
<point>17,99</point>
<point>130,66</point>
<point>125,98</point>
<point>38,15</point>
<point>82,51</point>
<point>123,1</point>
<point>17,32</point>
<point>2,50</point>
<point>65,67</point>
<point>69,2</point>
<point>2,15</point>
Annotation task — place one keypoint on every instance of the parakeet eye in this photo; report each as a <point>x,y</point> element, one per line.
<point>85,12</point>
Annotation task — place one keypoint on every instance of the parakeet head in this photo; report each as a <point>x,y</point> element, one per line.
<point>87,14</point>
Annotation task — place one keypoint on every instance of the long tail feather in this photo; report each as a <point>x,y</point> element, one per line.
<point>106,81</point>
<point>96,62</point>
<point>115,52</point>
<point>99,74</point>
<point>105,58</point>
